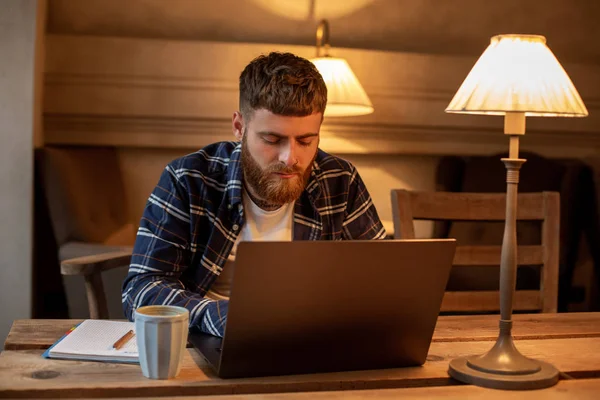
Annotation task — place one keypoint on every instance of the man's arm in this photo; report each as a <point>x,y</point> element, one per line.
<point>361,221</point>
<point>161,254</point>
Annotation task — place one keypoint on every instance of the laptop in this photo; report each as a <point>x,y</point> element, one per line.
<point>322,306</point>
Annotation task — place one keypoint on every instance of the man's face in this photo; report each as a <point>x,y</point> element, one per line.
<point>277,153</point>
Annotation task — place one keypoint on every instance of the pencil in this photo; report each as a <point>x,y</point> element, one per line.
<point>124,339</point>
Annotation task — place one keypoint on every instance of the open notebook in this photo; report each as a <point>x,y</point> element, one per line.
<point>93,340</point>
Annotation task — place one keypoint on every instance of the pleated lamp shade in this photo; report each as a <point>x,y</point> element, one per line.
<point>345,94</point>
<point>518,73</point>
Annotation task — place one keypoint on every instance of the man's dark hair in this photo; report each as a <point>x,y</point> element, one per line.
<point>283,84</point>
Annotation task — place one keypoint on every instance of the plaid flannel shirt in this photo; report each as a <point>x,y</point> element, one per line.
<point>193,217</point>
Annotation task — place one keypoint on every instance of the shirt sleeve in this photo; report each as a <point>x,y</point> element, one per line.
<point>161,254</point>
<point>361,221</point>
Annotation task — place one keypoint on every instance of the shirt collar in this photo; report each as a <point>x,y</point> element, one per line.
<point>313,187</point>
<point>235,176</point>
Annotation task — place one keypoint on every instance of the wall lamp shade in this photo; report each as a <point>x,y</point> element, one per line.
<point>518,73</point>
<point>345,95</point>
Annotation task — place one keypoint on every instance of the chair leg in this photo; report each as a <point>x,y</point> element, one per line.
<point>96,296</point>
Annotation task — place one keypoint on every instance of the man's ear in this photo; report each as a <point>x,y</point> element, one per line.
<point>237,125</point>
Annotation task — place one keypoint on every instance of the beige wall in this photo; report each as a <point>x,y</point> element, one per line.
<point>461,27</point>
<point>180,94</point>
<point>17,70</point>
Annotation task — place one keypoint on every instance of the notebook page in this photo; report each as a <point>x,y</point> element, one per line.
<point>96,338</point>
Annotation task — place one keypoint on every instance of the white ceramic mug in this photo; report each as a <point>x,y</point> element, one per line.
<point>161,333</point>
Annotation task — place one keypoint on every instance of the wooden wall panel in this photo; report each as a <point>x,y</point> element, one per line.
<point>181,94</point>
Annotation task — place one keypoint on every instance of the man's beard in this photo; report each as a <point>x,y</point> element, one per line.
<point>267,185</point>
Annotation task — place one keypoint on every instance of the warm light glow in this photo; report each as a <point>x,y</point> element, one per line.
<point>518,73</point>
<point>345,94</point>
<point>306,10</point>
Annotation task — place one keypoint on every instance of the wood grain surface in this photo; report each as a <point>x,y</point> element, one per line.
<point>565,389</point>
<point>28,334</point>
<point>24,374</point>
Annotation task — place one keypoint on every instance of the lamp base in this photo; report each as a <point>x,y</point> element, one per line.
<point>462,370</point>
<point>504,367</point>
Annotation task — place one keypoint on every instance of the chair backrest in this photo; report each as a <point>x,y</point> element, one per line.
<point>86,196</point>
<point>408,206</point>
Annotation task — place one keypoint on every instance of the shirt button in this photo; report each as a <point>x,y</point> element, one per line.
<point>229,206</point>
<point>235,227</point>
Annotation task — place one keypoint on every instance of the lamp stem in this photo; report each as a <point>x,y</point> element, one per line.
<point>508,261</point>
<point>514,125</point>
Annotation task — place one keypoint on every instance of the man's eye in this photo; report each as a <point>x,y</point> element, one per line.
<point>305,143</point>
<point>271,140</point>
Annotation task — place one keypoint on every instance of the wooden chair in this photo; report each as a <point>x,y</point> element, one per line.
<point>87,207</point>
<point>408,206</point>
<point>91,268</point>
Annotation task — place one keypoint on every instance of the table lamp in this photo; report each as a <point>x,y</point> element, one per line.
<point>345,95</point>
<point>516,76</point>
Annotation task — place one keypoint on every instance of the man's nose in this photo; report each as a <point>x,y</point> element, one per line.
<point>289,155</point>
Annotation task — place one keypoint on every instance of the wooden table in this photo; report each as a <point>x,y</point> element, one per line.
<point>569,341</point>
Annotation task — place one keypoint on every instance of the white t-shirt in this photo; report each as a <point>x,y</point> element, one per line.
<point>260,225</point>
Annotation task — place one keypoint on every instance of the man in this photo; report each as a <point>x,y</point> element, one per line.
<point>274,185</point>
